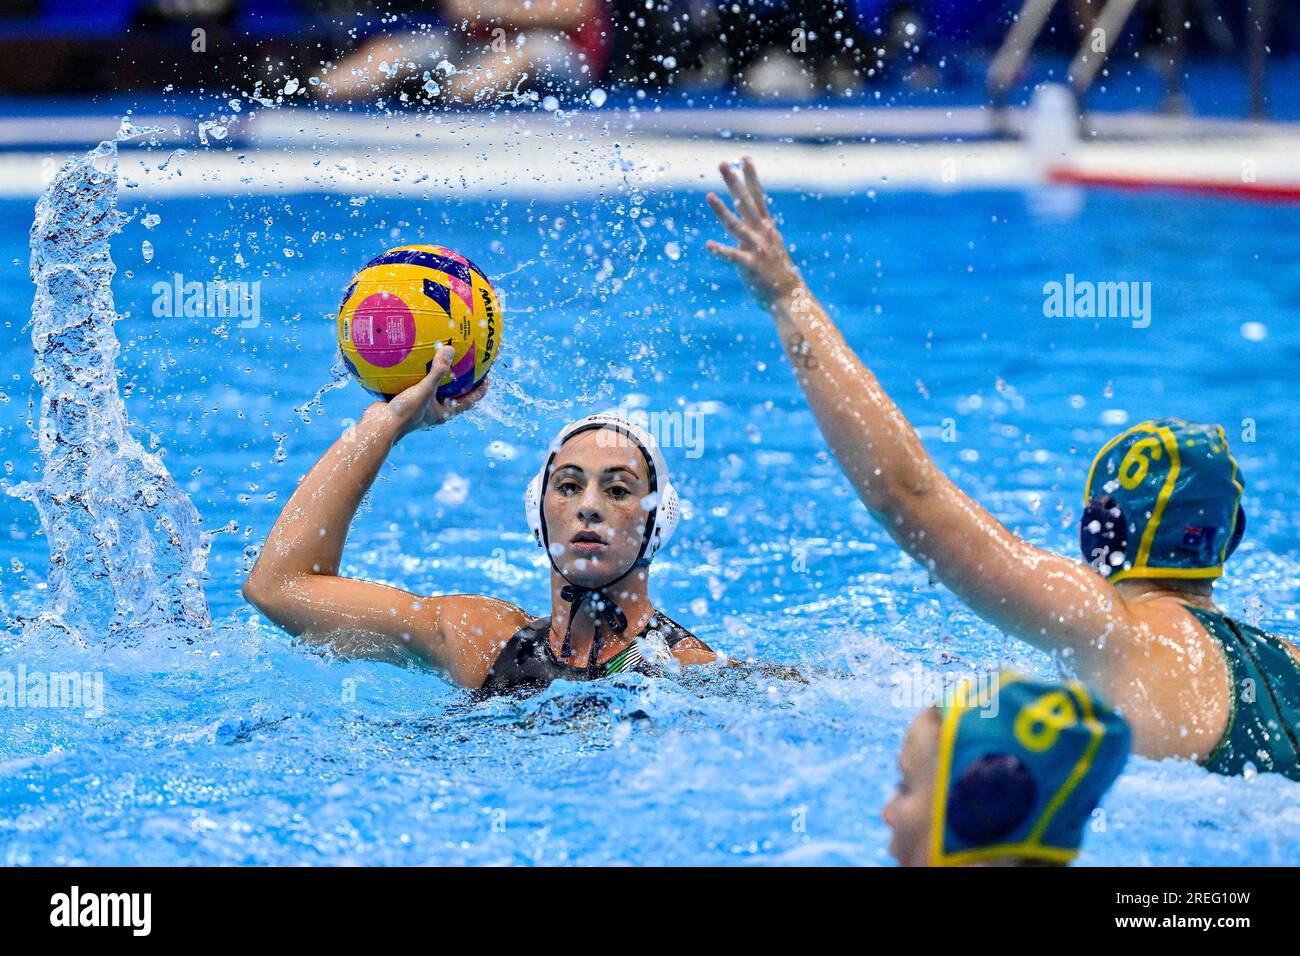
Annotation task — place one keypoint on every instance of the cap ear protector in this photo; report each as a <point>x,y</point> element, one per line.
<point>1103,534</point>
<point>665,510</point>
<point>991,798</point>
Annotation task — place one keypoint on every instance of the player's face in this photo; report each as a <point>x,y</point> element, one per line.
<point>910,811</point>
<point>596,503</point>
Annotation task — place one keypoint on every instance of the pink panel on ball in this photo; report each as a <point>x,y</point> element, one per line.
<point>383,330</point>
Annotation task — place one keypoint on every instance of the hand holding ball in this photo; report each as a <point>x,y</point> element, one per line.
<point>420,407</point>
<point>407,302</point>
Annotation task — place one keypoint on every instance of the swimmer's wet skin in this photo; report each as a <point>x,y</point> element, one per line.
<point>1138,621</point>
<point>1011,776</point>
<point>584,507</point>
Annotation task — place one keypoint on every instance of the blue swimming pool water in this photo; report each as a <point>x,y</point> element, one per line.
<point>246,749</point>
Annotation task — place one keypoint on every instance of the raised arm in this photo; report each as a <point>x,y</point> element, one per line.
<point>1048,600</point>
<point>296,580</point>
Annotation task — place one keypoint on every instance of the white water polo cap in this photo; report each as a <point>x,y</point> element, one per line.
<point>663,510</point>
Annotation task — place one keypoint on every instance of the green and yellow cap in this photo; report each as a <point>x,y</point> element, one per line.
<point>1163,500</point>
<point>1021,768</point>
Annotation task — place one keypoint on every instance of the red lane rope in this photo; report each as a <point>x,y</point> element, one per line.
<point>1248,192</point>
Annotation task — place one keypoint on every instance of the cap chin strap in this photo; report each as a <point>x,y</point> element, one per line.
<point>603,608</point>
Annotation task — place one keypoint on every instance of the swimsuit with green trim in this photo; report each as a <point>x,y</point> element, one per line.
<point>1264,724</point>
<point>528,662</point>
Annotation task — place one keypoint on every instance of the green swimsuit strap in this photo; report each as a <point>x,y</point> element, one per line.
<point>1262,725</point>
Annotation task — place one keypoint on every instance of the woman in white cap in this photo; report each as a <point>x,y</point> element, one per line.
<point>602,506</point>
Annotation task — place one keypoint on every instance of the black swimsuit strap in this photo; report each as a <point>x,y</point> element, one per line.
<point>672,631</point>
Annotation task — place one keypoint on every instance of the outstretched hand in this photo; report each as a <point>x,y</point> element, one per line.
<point>761,257</point>
<point>419,407</point>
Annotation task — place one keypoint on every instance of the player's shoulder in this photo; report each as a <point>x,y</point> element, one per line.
<point>1165,619</point>
<point>472,630</point>
<point>479,612</point>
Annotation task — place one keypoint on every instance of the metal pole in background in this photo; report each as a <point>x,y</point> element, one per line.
<point>1015,49</point>
<point>1258,14</point>
<point>1175,42</point>
<point>1110,23</point>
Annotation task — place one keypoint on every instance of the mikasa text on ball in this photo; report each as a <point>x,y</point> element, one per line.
<point>407,302</point>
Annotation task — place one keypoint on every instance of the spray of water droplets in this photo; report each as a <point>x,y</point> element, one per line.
<point>127,554</point>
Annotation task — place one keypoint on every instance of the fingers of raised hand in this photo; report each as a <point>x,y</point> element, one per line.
<point>729,220</point>
<point>737,191</point>
<point>745,204</point>
<point>755,189</point>
<point>729,253</point>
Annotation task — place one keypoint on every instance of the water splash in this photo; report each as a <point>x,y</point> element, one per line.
<point>339,378</point>
<point>127,554</point>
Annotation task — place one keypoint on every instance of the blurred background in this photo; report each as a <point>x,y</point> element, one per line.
<point>1203,56</point>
